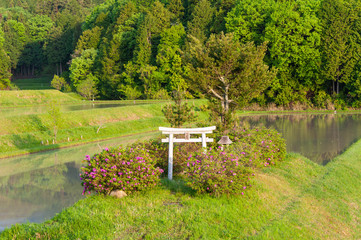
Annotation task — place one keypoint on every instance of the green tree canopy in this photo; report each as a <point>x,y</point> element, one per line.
<point>228,72</point>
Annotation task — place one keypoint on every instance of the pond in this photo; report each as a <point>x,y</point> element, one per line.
<point>319,137</point>
<point>35,187</point>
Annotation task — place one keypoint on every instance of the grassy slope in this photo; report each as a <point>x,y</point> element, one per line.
<point>34,132</point>
<point>25,134</point>
<point>296,200</point>
<point>33,83</point>
<point>34,97</point>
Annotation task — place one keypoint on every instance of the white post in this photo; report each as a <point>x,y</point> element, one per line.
<point>170,157</point>
<point>187,131</point>
<point>204,144</point>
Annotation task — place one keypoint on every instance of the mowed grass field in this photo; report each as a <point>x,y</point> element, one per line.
<point>32,132</point>
<point>297,199</point>
<point>28,98</point>
<point>39,83</point>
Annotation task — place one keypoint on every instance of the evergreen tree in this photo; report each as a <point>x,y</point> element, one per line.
<point>293,32</point>
<point>15,39</point>
<point>248,20</point>
<point>5,65</point>
<point>82,66</point>
<point>177,9</point>
<point>340,50</point>
<point>169,58</point>
<point>228,73</point>
<point>89,39</point>
<point>179,113</point>
<point>202,16</point>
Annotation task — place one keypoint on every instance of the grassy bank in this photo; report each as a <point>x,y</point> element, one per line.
<point>23,98</point>
<point>296,200</point>
<point>38,83</point>
<point>35,132</point>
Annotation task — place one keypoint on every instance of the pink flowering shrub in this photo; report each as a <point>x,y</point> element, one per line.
<point>258,147</point>
<point>128,169</point>
<point>159,152</point>
<point>217,172</point>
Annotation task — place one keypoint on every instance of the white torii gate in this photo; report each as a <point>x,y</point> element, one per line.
<point>187,138</point>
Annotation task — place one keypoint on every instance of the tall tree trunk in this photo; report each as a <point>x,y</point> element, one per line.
<point>225,106</point>
<point>61,68</point>
<point>338,87</point>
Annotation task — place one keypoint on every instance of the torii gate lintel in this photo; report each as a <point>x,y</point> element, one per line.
<point>187,132</point>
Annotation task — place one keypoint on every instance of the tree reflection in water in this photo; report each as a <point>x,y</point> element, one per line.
<point>319,137</point>
<point>37,186</point>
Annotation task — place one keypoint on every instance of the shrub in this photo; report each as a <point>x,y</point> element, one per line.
<point>178,113</point>
<point>217,172</point>
<point>258,147</point>
<point>128,169</point>
<point>159,152</point>
<point>340,104</point>
<point>356,104</point>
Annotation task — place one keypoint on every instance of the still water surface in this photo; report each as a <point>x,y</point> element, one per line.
<point>37,186</point>
<point>319,137</point>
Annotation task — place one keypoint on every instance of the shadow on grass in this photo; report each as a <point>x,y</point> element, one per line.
<point>38,123</point>
<point>28,141</point>
<point>177,185</point>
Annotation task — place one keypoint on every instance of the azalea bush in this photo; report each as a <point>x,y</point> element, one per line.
<point>259,147</point>
<point>159,152</point>
<point>128,169</point>
<point>217,172</point>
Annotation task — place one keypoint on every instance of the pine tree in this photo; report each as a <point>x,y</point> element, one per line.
<point>340,53</point>
<point>228,73</point>
<point>202,16</point>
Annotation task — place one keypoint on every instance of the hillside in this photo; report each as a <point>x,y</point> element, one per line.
<point>130,49</point>
<point>24,98</point>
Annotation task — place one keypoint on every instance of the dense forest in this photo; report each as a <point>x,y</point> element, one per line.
<point>130,49</point>
<point>38,37</point>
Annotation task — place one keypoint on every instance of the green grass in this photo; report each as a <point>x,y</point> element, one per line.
<point>296,200</point>
<point>33,83</point>
<point>14,166</point>
<point>34,132</point>
<point>24,98</point>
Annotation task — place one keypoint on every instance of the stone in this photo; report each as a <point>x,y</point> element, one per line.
<point>118,194</point>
